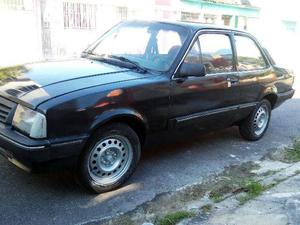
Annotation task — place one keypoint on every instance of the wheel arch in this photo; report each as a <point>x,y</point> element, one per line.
<point>272,98</point>
<point>270,94</point>
<point>127,116</point>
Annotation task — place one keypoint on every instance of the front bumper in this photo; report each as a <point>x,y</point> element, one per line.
<point>25,152</point>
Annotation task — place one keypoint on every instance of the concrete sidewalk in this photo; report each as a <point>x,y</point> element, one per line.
<point>263,192</point>
<point>278,206</point>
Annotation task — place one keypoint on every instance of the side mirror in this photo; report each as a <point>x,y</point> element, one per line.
<point>189,69</point>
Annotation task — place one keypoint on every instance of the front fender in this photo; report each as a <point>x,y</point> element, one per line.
<point>113,114</point>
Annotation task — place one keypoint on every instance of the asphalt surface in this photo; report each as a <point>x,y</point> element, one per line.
<point>169,162</point>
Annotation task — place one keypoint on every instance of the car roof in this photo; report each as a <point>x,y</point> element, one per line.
<point>196,26</point>
<point>199,26</point>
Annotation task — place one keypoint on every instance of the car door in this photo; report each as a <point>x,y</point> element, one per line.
<point>209,99</point>
<point>254,72</point>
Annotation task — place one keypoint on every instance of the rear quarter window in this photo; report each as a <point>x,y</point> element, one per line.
<point>249,56</point>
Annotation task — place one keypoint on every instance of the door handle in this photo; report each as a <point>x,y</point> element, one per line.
<point>232,81</point>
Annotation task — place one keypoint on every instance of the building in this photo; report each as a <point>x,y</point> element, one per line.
<point>232,13</point>
<point>279,30</point>
<point>33,30</point>
<point>20,31</point>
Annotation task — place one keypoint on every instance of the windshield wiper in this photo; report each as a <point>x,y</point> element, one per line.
<point>90,53</point>
<point>106,58</point>
<point>135,64</point>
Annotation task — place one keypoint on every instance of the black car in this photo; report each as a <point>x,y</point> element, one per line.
<point>138,78</point>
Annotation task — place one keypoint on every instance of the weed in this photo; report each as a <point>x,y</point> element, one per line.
<point>206,208</point>
<point>253,189</point>
<point>124,220</point>
<point>292,154</point>
<point>216,197</point>
<point>175,217</point>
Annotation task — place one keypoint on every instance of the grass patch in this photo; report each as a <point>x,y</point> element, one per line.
<point>206,208</point>
<point>175,217</point>
<point>166,208</point>
<point>124,220</point>
<point>216,197</point>
<point>252,190</point>
<point>292,154</point>
<point>231,181</point>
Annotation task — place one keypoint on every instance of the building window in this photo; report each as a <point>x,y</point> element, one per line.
<point>122,13</point>
<point>12,4</point>
<point>226,19</point>
<point>289,25</point>
<point>190,17</point>
<point>79,15</point>
<point>210,18</point>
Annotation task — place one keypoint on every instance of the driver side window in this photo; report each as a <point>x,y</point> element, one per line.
<point>194,55</point>
<point>216,53</point>
<point>213,51</point>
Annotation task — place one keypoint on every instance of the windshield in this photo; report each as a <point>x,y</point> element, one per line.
<point>151,45</point>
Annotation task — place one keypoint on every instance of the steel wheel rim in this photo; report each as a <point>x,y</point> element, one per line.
<point>261,120</point>
<point>110,159</point>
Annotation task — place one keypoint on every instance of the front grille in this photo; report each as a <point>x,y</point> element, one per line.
<point>6,110</point>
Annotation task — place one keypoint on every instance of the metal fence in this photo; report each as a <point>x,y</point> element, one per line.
<point>12,4</point>
<point>79,15</point>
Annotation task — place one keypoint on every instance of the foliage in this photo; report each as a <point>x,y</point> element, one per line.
<point>252,190</point>
<point>175,217</point>
<point>293,154</point>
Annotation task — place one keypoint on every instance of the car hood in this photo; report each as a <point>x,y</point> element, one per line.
<point>38,82</point>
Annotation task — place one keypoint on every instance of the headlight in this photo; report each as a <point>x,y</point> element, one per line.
<point>31,122</point>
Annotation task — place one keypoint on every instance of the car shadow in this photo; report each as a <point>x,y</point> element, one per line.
<point>176,141</point>
<point>158,146</point>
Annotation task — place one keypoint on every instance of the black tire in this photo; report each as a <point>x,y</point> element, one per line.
<point>84,175</point>
<point>247,128</point>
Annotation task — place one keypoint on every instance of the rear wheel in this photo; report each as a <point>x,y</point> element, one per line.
<point>110,158</point>
<point>254,127</point>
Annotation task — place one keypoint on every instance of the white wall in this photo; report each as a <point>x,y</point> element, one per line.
<point>283,45</point>
<point>20,38</point>
<point>71,42</point>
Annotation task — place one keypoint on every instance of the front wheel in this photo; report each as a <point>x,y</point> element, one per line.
<point>256,124</point>
<point>110,158</point>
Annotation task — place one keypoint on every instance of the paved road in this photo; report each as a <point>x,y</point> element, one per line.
<point>173,161</point>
